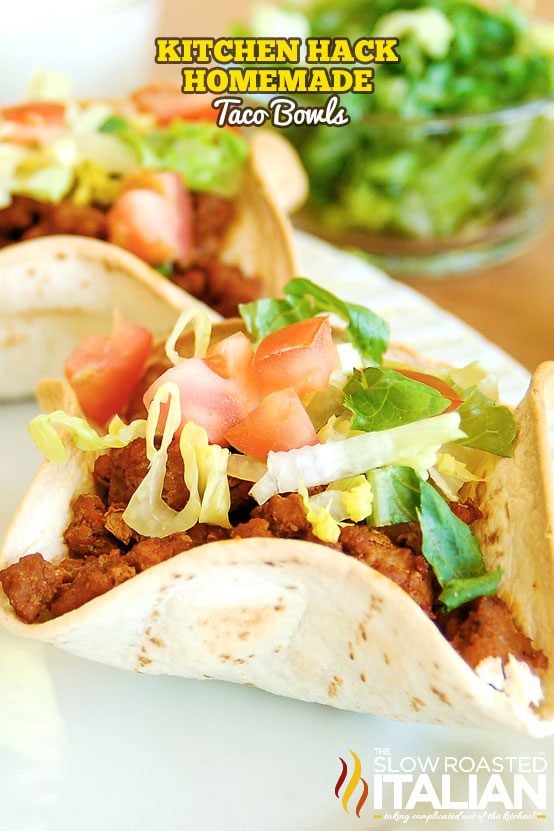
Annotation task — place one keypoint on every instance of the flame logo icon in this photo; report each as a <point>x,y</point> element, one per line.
<point>352,784</point>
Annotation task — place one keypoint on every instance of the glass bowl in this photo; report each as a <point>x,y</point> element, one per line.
<point>434,196</point>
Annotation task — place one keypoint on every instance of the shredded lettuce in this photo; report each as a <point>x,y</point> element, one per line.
<point>395,495</point>
<point>202,328</point>
<point>391,173</point>
<point>324,526</point>
<point>474,375</point>
<point>44,429</point>
<point>382,398</point>
<point>205,474</point>
<point>487,425</point>
<point>429,28</point>
<point>246,468</point>
<point>209,159</point>
<point>414,445</point>
<point>368,332</point>
<point>449,474</point>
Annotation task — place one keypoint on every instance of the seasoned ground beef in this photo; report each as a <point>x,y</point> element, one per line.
<point>95,577</point>
<point>120,471</point>
<point>221,286</point>
<point>104,552</point>
<point>408,534</point>
<point>149,552</point>
<point>212,218</point>
<point>27,218</point>
<point>408,570</point>
<point>30,585</point>
<point>86,535</point>
<point>485,627</point>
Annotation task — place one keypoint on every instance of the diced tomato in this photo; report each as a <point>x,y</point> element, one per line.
<point>438,384</point>
<point>168,103</point>
<point>301,355</point>
<point>212,402</point>
<point>104,369</point>
<point>35,122</point>
<point>153,218</point>
<point>279,422</point>
<point>231,357</point>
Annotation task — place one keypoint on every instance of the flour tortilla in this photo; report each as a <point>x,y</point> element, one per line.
<point>301,620</point>
<point>56,290</point>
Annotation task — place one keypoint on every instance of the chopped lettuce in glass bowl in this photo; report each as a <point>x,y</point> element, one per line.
<point>447,165</point>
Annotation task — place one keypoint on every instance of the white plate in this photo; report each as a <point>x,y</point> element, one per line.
<point>84,747</point>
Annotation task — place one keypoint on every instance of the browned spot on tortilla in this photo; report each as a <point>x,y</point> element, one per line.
<point>176,575</point>
<point>144,661</point>
<point>157,642</point>
<point>507,509</point>
<point>376,604</point>
<point>362,677</point>
<point>148,630</point>
<point>209,677</point>
<point>225,658</point>
<point>244,635</point>
<point>442,696</point>
<point>291,588</point>
<point>492,538</point>
<point>61,255</point>
<point>247,684</point>
<point>269,563</point>
<point>277,649</point>
<point>334,686</point>
<point>416,704</point>
<point>155,613</point>
<point>386,658</point>
<point>436,665</point>
<point>279,606</point>
<point>351,651</point>
<point>239,661</point>
<point>363,633</point>
<point>190,577</point>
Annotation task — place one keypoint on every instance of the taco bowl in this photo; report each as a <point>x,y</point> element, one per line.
<point>111,176</point>
<point>315,621</point>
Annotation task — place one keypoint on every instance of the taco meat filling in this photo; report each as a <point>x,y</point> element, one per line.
<point>217,284</point>
<point>104,552</point>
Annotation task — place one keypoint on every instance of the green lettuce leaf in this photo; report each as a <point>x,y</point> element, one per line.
<point>487,425</point>
<point>367,332</point>
<point>210,159</point>
<point>382,398</point>
<point>395,495</point>
<point>449,546</point>
<point>458,592</point>
<point>453,552</point>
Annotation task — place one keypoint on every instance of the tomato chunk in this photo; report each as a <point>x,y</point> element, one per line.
<point>438,384</point>
<point>34,122</point>
<point>231,357</point>
<point>104,369</point>
<point>279,422</point>
<point>168,103</point>
<point>153,218</point>
<point>301,355</point>
<point>212,402</point>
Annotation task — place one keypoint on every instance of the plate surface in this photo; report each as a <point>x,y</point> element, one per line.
<point>86,747</point>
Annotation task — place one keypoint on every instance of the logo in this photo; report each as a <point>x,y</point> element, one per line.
<point>353,782</point>
<point>476,789</point>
